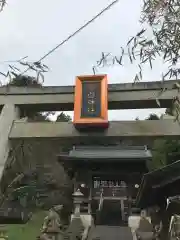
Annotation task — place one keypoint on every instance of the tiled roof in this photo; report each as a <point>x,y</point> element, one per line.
<point>117,152</point>
<point>150,191</point>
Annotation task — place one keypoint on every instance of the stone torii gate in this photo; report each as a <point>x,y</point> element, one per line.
<point>142,95</point>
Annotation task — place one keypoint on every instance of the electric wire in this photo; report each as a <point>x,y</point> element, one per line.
<point>73,34</point>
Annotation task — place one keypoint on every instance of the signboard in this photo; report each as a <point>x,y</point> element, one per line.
<point>91,102</point>
<point>91,99</point>
<point>109,188</point>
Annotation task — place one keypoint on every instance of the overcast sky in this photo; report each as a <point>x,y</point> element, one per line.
<point>32,27</point>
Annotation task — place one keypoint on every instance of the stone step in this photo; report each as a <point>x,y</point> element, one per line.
<point>110,233</point>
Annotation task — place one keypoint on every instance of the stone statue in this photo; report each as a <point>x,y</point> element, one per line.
<point>52,226</point>
<point>3,233</point>
<point>145,230</point>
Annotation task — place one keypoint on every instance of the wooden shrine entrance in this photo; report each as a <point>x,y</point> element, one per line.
<point>111,193</point>
<point>108,177</point>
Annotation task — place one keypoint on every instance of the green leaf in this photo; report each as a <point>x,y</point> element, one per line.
<point>177,85</point>
<point>150,62</point>
<point>119,61</point>
<point>158,102</point>
<point>130,58</point>
<point>130,41</point>
<point>140,33</point>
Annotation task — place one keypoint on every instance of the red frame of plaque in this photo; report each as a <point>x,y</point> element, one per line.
<point>102,120</point>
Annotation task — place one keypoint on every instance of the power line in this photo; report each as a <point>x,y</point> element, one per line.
<point>76,32</point>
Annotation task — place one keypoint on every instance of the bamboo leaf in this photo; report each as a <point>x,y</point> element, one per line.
<point>158,102</point>
<point>140,71</point>
<point>119,61</point>
<point>15,74</point>
<point>177,85</point>
<point>130,58</point>
<point>140,33</point>
<point>130,41</point>
<point>94,70</point>
<point>150,62</point>
<point>23,58</point>
<point>5,75</point>
<point>136,79</point>
<point>122,53</point>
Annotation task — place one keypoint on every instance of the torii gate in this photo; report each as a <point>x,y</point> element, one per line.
<point>120,96</point>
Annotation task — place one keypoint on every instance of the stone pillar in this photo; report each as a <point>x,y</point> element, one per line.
<point>8,114</point>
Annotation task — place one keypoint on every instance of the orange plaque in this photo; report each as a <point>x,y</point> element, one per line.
<point>91,101</point>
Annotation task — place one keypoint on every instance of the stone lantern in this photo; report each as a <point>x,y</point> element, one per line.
<point>78,199</point>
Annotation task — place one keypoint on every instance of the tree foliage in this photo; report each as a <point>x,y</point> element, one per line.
<point>18,69</point>
<point>16,185</point>
<point>164,151</point>
<point>152,116</point>
<point>163,18</point>
<point>159,38</point>
<point>62,117</point>
<point>29,81</point>
<point>2,4</point>
<point>23,81</point>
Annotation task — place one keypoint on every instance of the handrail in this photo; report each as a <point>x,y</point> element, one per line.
<point>101,200</point>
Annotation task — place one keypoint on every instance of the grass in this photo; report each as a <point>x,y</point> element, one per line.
<point>28,231</point>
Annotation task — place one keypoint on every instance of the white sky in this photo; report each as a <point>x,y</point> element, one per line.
<point>32,27</point>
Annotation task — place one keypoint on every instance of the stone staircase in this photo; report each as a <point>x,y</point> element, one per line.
<point>110,233</point>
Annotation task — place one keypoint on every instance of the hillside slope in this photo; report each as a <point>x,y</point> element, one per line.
<point>27,231</point>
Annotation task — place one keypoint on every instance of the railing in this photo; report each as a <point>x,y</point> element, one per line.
<point>110,192</point>
<point>100,201</point>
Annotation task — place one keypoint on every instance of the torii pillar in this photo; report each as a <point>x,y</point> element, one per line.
<point>9,113</point>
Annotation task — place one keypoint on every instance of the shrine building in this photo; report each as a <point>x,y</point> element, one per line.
<point>109,177</point>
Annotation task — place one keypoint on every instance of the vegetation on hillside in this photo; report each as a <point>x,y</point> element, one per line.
<point>28,231</point>
<point>39,184</point>
<point>165,151</point>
